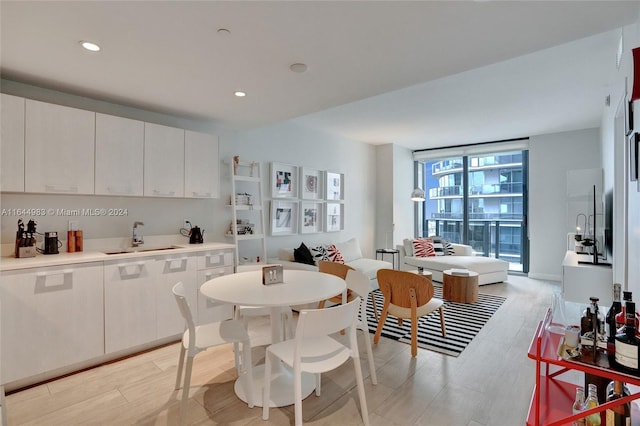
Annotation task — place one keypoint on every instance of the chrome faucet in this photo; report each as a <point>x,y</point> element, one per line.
<point>137,239</point>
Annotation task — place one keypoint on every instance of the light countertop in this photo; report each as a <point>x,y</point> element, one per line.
<point>95,254</point>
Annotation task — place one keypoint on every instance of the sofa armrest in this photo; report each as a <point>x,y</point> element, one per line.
<point>462,249</point>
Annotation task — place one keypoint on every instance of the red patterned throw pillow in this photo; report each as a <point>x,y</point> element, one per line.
<point>334,254</point>
<point>423,247</point>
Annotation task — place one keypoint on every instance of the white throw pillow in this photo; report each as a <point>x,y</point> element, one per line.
<point>350,250</point>
<point>408,246</point>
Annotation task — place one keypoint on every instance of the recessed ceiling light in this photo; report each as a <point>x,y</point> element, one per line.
<point>90,46</point>
<point>298,67</point>
<point>240,94</point>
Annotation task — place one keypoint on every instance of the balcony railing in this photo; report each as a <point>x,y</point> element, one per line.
<point>477,162</point>
<point>514,188</point>
<point>489,238</point>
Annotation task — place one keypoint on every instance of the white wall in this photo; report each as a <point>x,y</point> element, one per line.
<point>285,142</point>
<point>626,269</point>
<point>550,157</point>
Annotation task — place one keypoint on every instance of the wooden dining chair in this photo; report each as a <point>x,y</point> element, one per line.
<point>407,296</point>
<point>341,270</point>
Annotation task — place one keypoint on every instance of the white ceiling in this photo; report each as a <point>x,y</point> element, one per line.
<point>420,74</point>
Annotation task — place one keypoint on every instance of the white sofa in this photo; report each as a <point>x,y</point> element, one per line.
<point>350,251</point>
<point>490,270</point>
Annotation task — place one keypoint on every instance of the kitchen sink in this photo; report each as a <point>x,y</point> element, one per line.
<point>139,250</point>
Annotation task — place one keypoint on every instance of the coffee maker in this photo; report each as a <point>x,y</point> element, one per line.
<point>51,243</point>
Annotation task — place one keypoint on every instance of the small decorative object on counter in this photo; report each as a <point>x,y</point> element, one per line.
<point>236,162</point>
<point>25,242</point>
<point>627,345</point>
<point>71,241</point>
<point>79,240</point>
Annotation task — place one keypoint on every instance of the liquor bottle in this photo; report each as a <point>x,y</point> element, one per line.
<point>619,415</point>
<point>627,345</point>
<point>620,318</point>
<point>615,309</point>
<point>578,406</point>
<point>591,402</point>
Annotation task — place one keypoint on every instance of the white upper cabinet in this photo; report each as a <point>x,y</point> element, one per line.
<point>119,155</point>
<point>163,161</point>
<point>59,149</point>
<point>202,171</point>
<point>12,138</point>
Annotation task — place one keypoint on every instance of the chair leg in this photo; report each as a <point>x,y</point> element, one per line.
<point>185,390</point>
<point>266,391</point>
<point>3,407</point>
<point>321,304</point>
<point>180,365</point>
<point>297,395</point>
<point>372,367</point>
<point>246,372</point>
<point>414,336</point>
<point>383,318</point>
<point>359,380</point>
<point>318,384</point>
<point>442,326</point>
<point>375,307</point>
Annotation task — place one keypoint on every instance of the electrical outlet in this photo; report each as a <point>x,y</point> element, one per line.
<point>186,224</point>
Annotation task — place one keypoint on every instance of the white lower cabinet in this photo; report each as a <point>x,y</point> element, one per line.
<point>129,304</point>
<point>170,270</point>
<point>51,317</point>
<point>213,264</point>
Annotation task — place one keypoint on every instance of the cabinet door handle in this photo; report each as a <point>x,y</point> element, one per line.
<point>124,270</point>
<point>65,283</point>
<point>201,194</point>
<point>61,188</point>
<point>54,273</point>
<point>213,274</point>
<point>214,259</point>
<point>164,194</point>
<point>120,191</point>
<point>169,265</point>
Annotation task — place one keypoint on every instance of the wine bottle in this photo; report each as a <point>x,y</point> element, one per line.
<point>615,309</point>
<point>627,345</point>
<point>591,402</point>
<point>578,406</point>
<point>620,415</point>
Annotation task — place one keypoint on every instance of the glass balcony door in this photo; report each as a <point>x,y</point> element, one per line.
<point>479,200</point>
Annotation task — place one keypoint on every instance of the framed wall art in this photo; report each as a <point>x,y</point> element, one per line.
<point>284,181</point>
<point>334,217</point>
<point>334,186</point>
<point>310,217</point>
<point>311,184</point>
<point>284,217</point>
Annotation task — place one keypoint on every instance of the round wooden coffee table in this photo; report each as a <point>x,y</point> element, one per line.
<point>460,288</point>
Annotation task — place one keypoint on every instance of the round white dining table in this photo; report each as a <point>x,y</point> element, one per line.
<point>298,288</point>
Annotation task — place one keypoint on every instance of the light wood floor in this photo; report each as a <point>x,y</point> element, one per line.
<point>490,383</point>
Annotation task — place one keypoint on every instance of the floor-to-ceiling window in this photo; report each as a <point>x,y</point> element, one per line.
<point>478,199</point>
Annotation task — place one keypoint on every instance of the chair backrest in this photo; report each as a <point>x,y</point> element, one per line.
<point>334,268</point>
<point>395,286</point>
<point>183,305</point>
<point>322,322</point>
<point>358,283</point>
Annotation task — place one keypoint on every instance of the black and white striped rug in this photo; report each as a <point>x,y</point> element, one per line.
<point>463,321</point>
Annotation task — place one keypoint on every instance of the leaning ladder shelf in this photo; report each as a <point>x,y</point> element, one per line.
<point>247,176</point>
<point>552,399</point>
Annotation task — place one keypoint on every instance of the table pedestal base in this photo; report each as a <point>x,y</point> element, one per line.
<point>281,386</point>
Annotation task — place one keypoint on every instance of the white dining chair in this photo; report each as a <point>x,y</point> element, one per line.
<point>286,317</point>
<point>197,338</point>
<point>359,284</point>
<point>314,351</point>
